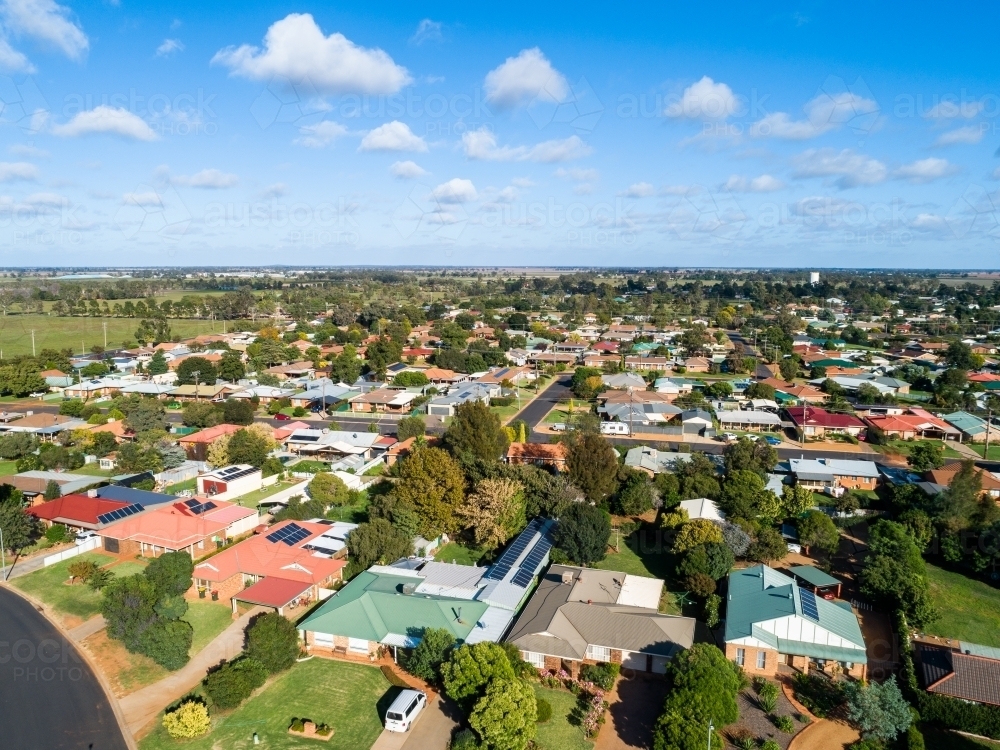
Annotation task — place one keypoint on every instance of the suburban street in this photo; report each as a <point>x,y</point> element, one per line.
<point>51,699</point>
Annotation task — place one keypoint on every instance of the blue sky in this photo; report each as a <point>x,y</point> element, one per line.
<point>809,134</point>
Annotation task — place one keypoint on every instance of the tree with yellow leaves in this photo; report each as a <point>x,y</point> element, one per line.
<point>494,512</point>
<point>189,720</point>
<point>218,452</point>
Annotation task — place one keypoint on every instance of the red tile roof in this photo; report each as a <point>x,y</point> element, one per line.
<point>79,508</point>
<point>210,434</point>
<point>273,591</point>
<point>818,417</point>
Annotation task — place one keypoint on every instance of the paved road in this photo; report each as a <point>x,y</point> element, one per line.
<point>50,698</point>
<point>558,390</point>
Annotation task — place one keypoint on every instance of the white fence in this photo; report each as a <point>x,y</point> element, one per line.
<point>92,543</point>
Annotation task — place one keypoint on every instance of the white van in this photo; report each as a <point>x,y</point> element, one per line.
<point>404,710</point>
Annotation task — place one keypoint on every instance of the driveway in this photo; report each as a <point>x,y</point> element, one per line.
<point>432,730</point>
<point>557,391</point>
<point>50,696</point>
<point>636,704</point>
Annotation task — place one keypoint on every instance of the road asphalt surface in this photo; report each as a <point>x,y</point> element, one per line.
<point>49,697</point>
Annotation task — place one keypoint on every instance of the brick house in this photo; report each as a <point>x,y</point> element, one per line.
<point>310,559</point>
<point>773,625</point>
<point>580,616</point>
<point>827,473</point>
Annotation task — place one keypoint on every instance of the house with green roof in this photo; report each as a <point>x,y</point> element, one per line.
<point>973,428</point>
<point>384,609</point>
<point>772,623</point>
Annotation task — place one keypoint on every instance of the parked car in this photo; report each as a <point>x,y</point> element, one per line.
<point>282,417</point>
<point>728,437</point>
<point>771,440</point>
<point>404,710</point>
<point>84,536</point>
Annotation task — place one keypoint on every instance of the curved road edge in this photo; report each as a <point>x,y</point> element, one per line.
<point>21,609</point>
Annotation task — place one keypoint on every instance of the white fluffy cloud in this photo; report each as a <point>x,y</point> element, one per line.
<point>578,175</point>
<point>209,179</point>
<point>923,171</point>
<point>321,134</point>
<point>705,100</point>
<point>763,184</point>
<point>824,113</point>
<point>640,190</point>
<point>43,20</point>
<point>967,136</point>
<point>18,170</point>
<point>295,48</point>
<point>528,76</point>
<point>455,190</point>
<point>169,46</point>
<point>481,145</point>
<point>105,119</point>
<point>949,110</point>
<point>406,170</point>
<point>393,136</point>
<point>145,199</point>
<point>850,168</point>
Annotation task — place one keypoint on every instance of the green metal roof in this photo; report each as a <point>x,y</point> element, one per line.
<point>833,363</point>
<point>372,606</point>
<point>760,594</point>
<point>967,423</point>
<point>814,576</point>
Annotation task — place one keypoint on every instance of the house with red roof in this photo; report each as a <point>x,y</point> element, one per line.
<point>197,525</point>
<point>915,424</point>
<point>196,444</point>
<point>78,512</point>
<point>814,422</point>
<point>289,561</point>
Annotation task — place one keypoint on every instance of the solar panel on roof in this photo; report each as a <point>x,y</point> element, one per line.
<point>808,600</point>
<point>290,534</point>
<point>523,578</point>
<point>191,503</point>
<point>119,513</point>
<point>502,566</point>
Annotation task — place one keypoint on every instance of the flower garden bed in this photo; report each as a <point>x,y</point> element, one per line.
<point>591,708</point>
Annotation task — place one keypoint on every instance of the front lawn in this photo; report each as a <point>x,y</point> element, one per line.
<point>980,448</point>
<point>455,552</point>
<point>559,733</point>
<point>970,609</point>
<point>208,620</point>
<point>7,468</point>
<point>349,697</point>
<point>74,603</point>
<point>127,672</point>
<point>903,447</point>
<point>187,484</point>
<point>252,499</point>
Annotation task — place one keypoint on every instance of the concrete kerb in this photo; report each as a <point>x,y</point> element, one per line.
<point>112,698</point>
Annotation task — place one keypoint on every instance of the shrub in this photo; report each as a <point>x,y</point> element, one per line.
<point>464,739</point>
<point>819,694</point>
<point>603,675</point>
<point>298,411</point>
<point>712,604</point>
<point>57,533</point>
<point>394,679</point>
<point>770,745</point>
<point>298,725</point>
<point>767,701</point>
<point>700,584</point>
<point>99,579</point>
<point>190,719</point>
<point>167,642</point>
<point>433,650</point>
<point>83,569</point>
<point>914,738</point>
<point>743,739</point>
<point>233,682</point>
<point>544,711</point>
<point>784,723</point>
<point>273,641</point>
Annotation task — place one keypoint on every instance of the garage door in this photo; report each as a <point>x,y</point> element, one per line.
<point>634,660</point>
<point>660,664</point>
<point>359,645</point>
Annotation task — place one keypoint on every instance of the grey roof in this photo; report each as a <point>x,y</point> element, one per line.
<point>693,414</point>
<point>749,417</point>
<point>134,496</point>
<point>827,468</point>
<point>624,380</point>
<point>552,624</point>
<point>449,579</point>
<point>466,392</point>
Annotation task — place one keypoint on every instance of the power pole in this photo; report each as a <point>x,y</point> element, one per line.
<point>989,422</point>
<point>196,374</point>
<point>105,324</point>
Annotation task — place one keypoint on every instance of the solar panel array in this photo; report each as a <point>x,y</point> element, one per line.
<point>236,472</point>
<point>502,566</point>
<point>808,600</point>
<point>119,513</point>
<point>290,534</point>
<point>530,564</point>
<point>197,507</point>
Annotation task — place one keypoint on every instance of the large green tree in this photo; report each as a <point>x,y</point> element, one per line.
<point>749,455</point>
<point>592,465</point>
<point>128,604</point>
<point>504,718</point>
<point>894,572</point>
<point>471,669</point>
<point>377,542</point>
<point>273,641</point>
<point>879,710</point>
<point>816,529</point>
<point>476,431</point>
<point>703,689</point>
<point>582,533</point>
<point>170,573</point>
<point>247,447</point>
<point>19,528</point>
<point>425,660</point>
<point>207,371</point>
<point>432,483</point>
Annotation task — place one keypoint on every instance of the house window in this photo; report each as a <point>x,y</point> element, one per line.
<point>599,653</point>
<point>761,660</point>
<point>741,655</point>
<point>535,660</point>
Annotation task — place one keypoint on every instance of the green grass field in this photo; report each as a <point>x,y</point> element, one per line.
<point>970,609</point>
<point>8,468</point>
<point>558,733</point>
<point>208,620</point>
<point>53,332</point>
<point>455,552</point>
<point>980,448</point>
<point>349,697</point>
<point>904,447</point>
<point>252,499</point>
<point>49,585</point>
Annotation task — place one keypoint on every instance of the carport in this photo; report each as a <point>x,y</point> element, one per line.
<point>276,593</point>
